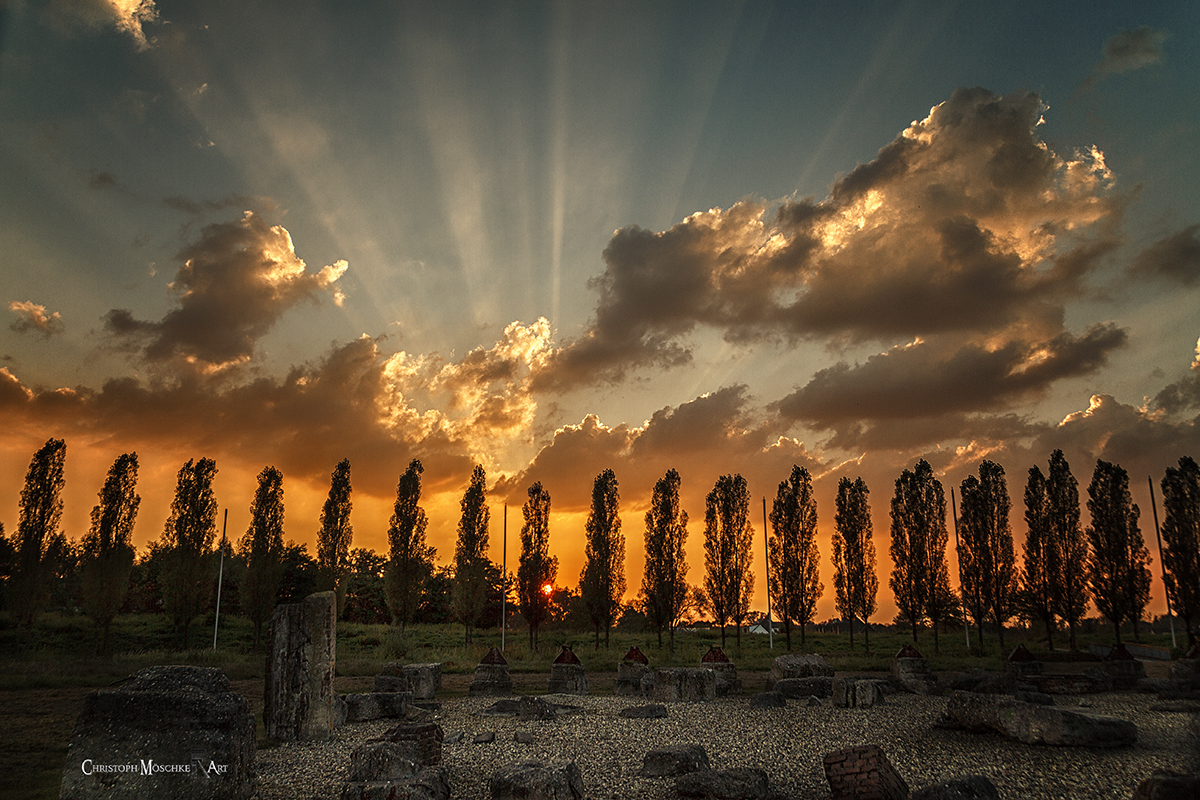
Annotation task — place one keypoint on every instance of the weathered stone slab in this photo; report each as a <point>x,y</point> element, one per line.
<point>535,780</point>
<point>676,759</point>
<point>799,688</point>
<point>629,678</point>
<point>568,679</point>
<point>684,684</point>
<point>863,772</point>
<point>178,732</point>
<point>423,680</point>
<point>369,706</point>
<point>742,783</point>
<point>972,787</point>
<point>795,665</point>
<point>531,708</point>
<point>1166,785</point>
<point>912,673</point>
<point>491,679</point>
<point>852,693</point>
<point>422,740</point>
<point>650,711</point>
<point>375,761</point>
<point>1070,684</point>
<point>1036,724</point>
<point>298,695</point>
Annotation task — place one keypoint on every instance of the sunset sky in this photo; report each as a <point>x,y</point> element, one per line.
<point>558,238</point>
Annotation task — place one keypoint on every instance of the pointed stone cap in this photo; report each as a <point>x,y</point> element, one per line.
<point>493,657</point>
<point>714,655</point>
<point>567,656</point>
<point>637,655</point>
<point>1119,653</point>
<point>1021,653</point>
<point>908,651</point>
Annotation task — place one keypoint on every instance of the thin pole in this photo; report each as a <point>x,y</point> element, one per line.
<point>767,550</point>
<point>958,552</point>
<point>220,578</point>
<point>1161,565</point>
<point>504,582</point>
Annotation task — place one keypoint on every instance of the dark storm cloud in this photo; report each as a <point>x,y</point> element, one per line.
<point>966,223</point>
<point>1127,51</point>
<point>233,284</point>
<point>1175,258</point>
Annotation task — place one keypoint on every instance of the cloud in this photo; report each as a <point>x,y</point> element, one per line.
<point>1127,51</point>
<point>966,223</point>
<point>126,16</point>
<point>1174,258</point>
<point>32,318</point>
<point>233,284</point>
<point>1184,394</point>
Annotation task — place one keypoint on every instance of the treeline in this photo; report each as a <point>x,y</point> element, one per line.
<point>1064,568</point>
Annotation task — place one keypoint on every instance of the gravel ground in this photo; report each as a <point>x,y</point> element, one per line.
<point>787,743</point>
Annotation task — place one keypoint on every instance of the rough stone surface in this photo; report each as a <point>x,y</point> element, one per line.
<point>298,696</point>
<point>972,787</point>
<point>531,708</point>
<point>568,678</point>
<point>1036,724</point>
<point>912,673</point>
<point>423,740</point>
<point>376,761</point>
<point>423,680</point>
<point>677,759</point>
<point>535,780</point>
<point>768,700</point>
<point>431,783</point>
<point>187,716</point>
<point>369,706</point>
<point>1071,684</point>
<point>1185,674</point>
<point>487,737</point>
<point>491,679</point>
<point>851,693</point>
<point>629,678</point>
<point>800,688</point>
<point>742,783</point>
<point>967,681</point>
<point>863,772</point>
<point>1164,785</point>
<point>684,684</point>
<point>650,711</point>
<point>795,665</point>
<point>523,737</point>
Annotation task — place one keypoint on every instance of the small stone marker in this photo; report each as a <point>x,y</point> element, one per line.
<point>1022,664</point>
<point>535,780</point>
<point>1124,670</point>
<point>491,676</point>
<point>298,696</point>
<point>727,679</point>
<point>863,773</point>
<point>567,675</point>
<point>676,759</point>
<point>485,738</point>
<point>177,732</point>
<point>911,671</point>
<point>630,672</point>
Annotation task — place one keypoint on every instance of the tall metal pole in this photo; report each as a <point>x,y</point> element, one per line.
<point>1161,565</point>
<point>220,578</point>
<point>504,582</point>
<point>958,552</point>
<point>767,550</point>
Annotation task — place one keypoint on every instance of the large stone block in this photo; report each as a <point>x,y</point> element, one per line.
<point>863,772</point>
<point>568,679</point>
<point>675,759</point>
<point>800,688</point>
<point>535,780</point>
<point>629,678</point>
<point>298,696</point>
<point>1036,724</point>
<point>369,706</point>
<point>684,684</point>
<point>740,783</point>
<point>423,680</point>
<point>491,679</point>
<point>912,673</point>
<point>178,732</point>
<point>794,665</point>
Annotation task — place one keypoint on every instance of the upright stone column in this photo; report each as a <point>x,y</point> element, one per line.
<point>298,697</point>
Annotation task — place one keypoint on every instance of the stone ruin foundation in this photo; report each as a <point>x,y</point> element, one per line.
<point>567,675</point>
<point>727,677</point>
<point>863,773</point>
<point>630,672</point>
<point>491,676</point>
<point>298,695</point>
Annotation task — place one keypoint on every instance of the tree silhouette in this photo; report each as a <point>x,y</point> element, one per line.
<point>261,548</point>
<point>470,563</point>
<point>336,535</point>
<point>38,545</point>
<point>1069,576</point>
<point>920,580</point>
<point>1041,555</point>
<point>187,545</point>
<point>537,569</point>
<point>664,582</point>
<point>1181,538</point>
<point>793,574</point>
<point>410,559</point>
<point>602,582</point>
<point>106,557</point>
<point>854,557</point>
<point>728,582</point>
<point>989,569</point>
<point>1117,573</point>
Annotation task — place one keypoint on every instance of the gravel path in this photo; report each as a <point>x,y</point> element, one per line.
<point>788,743</point>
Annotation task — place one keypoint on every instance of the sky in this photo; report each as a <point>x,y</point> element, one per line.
<point>557,238</point>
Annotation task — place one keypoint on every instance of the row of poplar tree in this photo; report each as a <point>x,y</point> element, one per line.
<point>1065,566</point>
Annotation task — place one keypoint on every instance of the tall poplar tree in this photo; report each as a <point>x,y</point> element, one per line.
<point>1118,572</point>
<point>106,557</point>
<point>728,581</point>
<point>989,564</point>
<point>921,579</point>
<point>470,561</point>
<point>664,582</point>
<point>261,549</point>
<point>1069,576</point>
<point>1041,554</point>
<point>186,545</point>
<point>1181,541</point>
<point>410,559</point>
<point>793,576</point>
<point>537,569</point>
<point>602,582</point>
<point>336,535</point>
<point>37,543</point>
<point>854,557</point>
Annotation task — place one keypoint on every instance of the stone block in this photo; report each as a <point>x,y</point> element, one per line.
<point>852,693</point>
<point>423,740</point>
<point>568,679</point>
<point>672,760</point>
<point>178,732</point>
<point>1165,785</point>
<point>742,783</point>
<point>431,783</point>
<point>863,772</point>
<point>684,684</point>
<point>768,700</point>
<point>298,695</point>
<point>799,688</point>
<point>795,665</point>
<point>1036,724</point>
<point>369,706</point>
<point>913,673</point>
<point>491,679</point>
<point>381,760</point>
<point>650,711</point>
<point>535,780</point>
<point>972,787</point>
<point>629,678</point>
<point>425,679</point>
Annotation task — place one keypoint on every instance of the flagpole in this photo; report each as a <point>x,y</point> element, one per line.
<point>504,582</point>
<point>1161,561</point>
<point>220,578</point>
<point>958,551</point>
<point>767,551</point>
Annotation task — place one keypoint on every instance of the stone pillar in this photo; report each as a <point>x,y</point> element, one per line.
<point>567,675</point>
<point>491,676</point>
<point>298,697</point>
<point>630,672</point>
